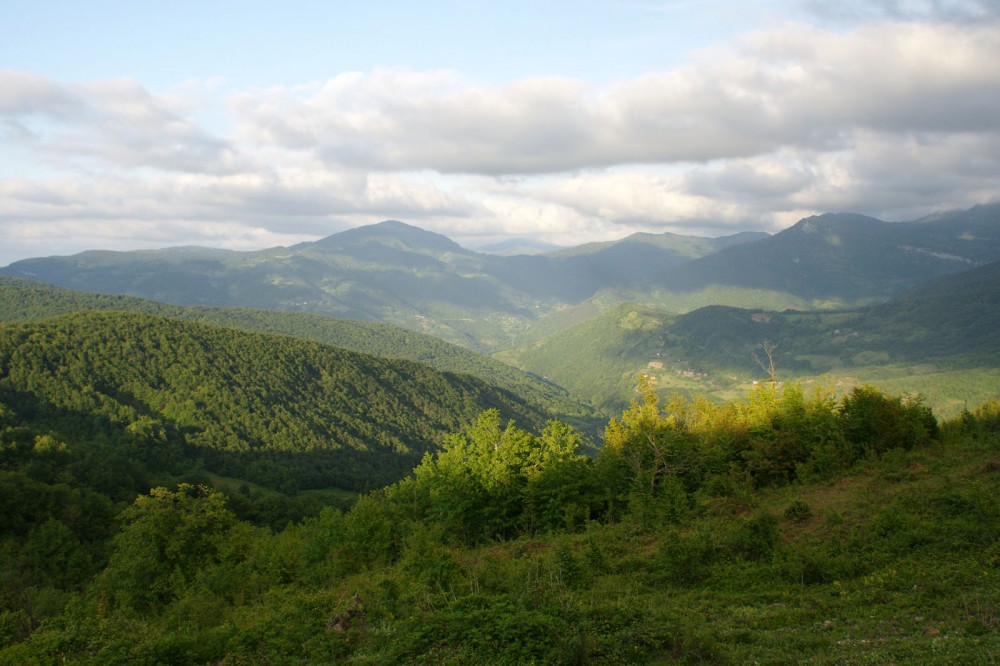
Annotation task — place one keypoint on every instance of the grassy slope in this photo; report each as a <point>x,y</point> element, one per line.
<point>896,563</point>
<point>939,340</point>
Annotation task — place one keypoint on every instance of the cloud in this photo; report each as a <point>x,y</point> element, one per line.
<point>117,123</point>
<point>793,86</point>
<point>404,120</point>
<point>22,93</point>
<point>893,119</point>
<point>957,11</point>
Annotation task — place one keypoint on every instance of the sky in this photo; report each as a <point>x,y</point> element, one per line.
<point>251,124</point>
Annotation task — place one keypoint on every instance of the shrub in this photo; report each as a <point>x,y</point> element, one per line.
<point>798,511</point>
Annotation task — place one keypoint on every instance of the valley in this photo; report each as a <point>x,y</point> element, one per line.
<point>749,449</point>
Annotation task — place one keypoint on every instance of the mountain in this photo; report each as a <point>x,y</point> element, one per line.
<point>847,260</point>
<point>25,301</point>
<point>400,274</point>
<point>941,338</point>
<point>391,272</point>
<point>267,408</point>
<point>517,246</point>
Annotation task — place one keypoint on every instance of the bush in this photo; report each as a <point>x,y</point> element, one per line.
<point>757,537</point>
<point>685,557</point>
<point>874,423</point>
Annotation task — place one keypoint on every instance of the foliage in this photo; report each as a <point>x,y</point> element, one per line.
<point>23,301</point>
<point>495,482</point>
<point>784,527</point>
<point>285,413</point>
<point>167,537</point>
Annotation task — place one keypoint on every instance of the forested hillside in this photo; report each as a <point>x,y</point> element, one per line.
<point>394,272</point>
<point>940,338</point>
<point>785,527</point>
<point>281,412</point>
<point>26,300</point>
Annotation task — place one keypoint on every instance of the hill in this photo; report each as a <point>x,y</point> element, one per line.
<point>25,301</point>
<point>781,528</point>
<point>939,338</point>
<point>272,409</point>
<point>839,260</point>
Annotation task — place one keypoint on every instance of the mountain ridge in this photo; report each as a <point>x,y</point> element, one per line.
<point>398,273</point>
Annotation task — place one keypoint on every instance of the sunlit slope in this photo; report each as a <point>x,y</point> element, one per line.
<point>940,338</point>
<point>251,405</point>
<point>25,300</point>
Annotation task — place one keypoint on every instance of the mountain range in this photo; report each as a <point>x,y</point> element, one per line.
<point>941,338</point>
<point>398,273</point>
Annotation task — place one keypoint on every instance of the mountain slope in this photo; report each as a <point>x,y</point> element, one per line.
<point>843,259</point>
<point>948,325</point>
<point>255,406</point>
<point>24,300</point>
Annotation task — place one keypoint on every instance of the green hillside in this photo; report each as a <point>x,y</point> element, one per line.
<point>282,412</point>
<point>26,300</point>
<point>784,527</point>
<point>597,360</point>
<point>940,339</point>
<point>397,273</point>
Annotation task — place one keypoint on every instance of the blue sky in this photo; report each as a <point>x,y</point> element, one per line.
<point>250,124</point>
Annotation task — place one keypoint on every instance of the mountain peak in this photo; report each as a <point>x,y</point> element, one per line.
<point>391,232</point>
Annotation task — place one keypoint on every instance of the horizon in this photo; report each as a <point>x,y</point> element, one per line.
<point>250,125</point>
<point>479,249</point>
<point>483,248</point>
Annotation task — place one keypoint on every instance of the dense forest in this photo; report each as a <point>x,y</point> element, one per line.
<point>786,526</point>
<point>281,412</point>
<point>23,301</point>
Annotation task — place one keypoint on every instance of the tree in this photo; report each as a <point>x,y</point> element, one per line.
<point>767,362</point>
<point>167,537</point>
<point>650,458</point>
<point>485,480</point>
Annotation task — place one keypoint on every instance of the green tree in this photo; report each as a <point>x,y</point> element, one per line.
<point>652,459</point>
<point>873,422</point>
<point>167,537</point>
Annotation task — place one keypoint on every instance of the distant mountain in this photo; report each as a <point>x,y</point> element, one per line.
<point>268,408</point>
<point>397,273</point>
<point>27,301</point>
<point>517,246</point>
<point>842,259</point>
<point>948,325</point>
<point>391,272</point>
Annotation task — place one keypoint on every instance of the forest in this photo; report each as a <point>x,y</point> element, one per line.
<point>788,525</point>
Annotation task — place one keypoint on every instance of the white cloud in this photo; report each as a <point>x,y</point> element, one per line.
<point>890,118</point>
<point>794,86</point>
<point>117,123</point>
